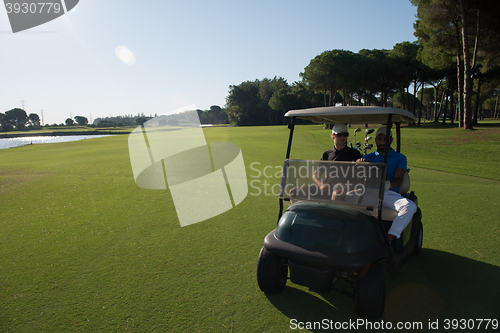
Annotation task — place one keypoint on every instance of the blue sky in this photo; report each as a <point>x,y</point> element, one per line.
<point>186,52</point>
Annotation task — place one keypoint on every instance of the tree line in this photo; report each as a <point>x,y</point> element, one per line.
<point>17,119</point>
<point>214,115</point>
<point>459,40</point>
<point>452,71</point>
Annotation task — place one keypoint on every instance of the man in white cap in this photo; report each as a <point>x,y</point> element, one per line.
<point>340,151</point>
<point>396,169</point>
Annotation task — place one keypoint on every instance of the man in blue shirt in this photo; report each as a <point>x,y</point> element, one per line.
<point>396,169</point>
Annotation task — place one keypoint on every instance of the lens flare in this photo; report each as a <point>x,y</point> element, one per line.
<point>125,55</point>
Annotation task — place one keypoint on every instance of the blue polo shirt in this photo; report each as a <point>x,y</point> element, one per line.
<point>394,160</point>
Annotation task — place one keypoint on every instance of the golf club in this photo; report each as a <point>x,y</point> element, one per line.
<point>356,131</point>
<point>368,138</point>
<point>368,132</point>
<point>367,147</point>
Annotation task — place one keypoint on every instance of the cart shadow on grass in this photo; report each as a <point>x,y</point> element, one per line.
<point>434,285</point>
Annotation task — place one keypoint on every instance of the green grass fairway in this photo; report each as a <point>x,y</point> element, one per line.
<point>82,248</point>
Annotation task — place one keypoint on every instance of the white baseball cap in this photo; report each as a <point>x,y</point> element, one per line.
<point>340,128</point>
<point>383,130</point>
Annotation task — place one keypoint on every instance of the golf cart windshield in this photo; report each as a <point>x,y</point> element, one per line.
<point>343,183</point>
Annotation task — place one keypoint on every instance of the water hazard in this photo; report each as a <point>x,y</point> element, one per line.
<point>22,141</point>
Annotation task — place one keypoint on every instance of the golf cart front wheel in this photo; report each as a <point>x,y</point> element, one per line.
<point>370,293</point>
<point>272,272</point>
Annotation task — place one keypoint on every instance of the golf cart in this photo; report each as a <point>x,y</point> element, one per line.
<point>339,231</point>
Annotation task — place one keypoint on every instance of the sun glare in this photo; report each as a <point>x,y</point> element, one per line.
<point>125,55</point>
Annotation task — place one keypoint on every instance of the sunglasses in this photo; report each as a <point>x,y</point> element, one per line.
<point>342,134</point>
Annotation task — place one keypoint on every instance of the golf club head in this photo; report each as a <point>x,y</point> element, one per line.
<point>368,138</point>
<point>357,130</point>
<point>369,131</point>
<point>367,147</point>
<point>358,144</point>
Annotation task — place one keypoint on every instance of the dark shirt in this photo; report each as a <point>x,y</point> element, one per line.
<point>345,154</point>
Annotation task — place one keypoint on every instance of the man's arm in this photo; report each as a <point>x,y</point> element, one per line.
<point>398,177</point>
<point>365,158</point>
<point>316,179</point>
<point>399,172</point>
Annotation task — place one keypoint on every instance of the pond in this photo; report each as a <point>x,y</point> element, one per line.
<point>22,141</point>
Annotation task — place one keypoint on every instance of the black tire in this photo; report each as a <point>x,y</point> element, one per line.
<point>420,239</point>
<point>370,293</point>
<point>272,272</point>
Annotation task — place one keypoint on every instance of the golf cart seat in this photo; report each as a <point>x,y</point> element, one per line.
<point>390,214</point>
<point>405,185</point>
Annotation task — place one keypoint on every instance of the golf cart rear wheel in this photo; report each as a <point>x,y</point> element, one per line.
<point>419,240</point>
<point>370,293</point>
<point>272,272</point>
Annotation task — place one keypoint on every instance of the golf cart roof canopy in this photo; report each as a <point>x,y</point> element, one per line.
<point>353,115</point>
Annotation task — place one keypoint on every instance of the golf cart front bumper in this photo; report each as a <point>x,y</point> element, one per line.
<point>316,269</point>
